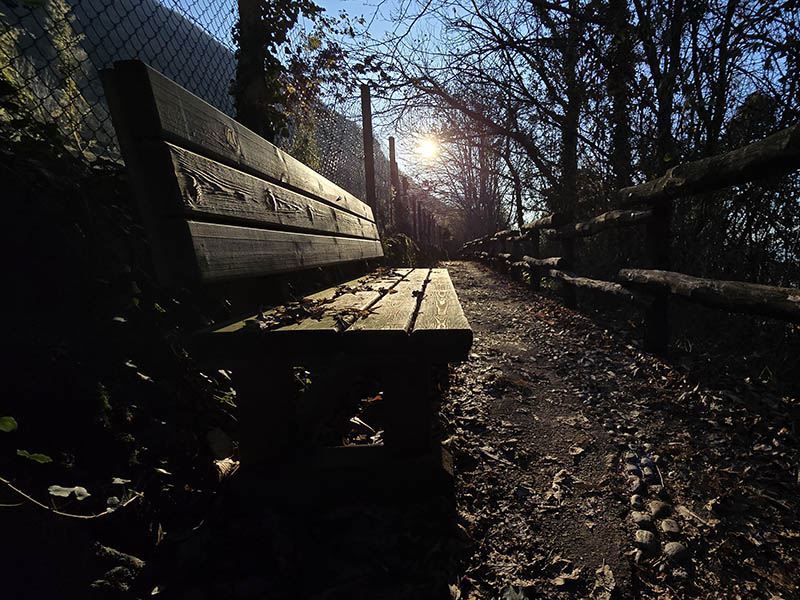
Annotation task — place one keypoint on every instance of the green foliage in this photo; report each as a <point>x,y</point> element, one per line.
<point>23,116</point>
<point>401,251</point>
<point>15,98</point>
<point>294,65</point>
<point>302,377</point>
<point>8,424</point>
<point>35,457</point>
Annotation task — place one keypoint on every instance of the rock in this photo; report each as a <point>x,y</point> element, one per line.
<point>646,462</point>
<point>636,502</point>
<point>670,527</point>
<point>658,491</point>
<point>645,540</point>
<point>649,475</point>
<point>675,551</point>
<point>635,485</point>
<point>642,520</point>
<point>659,509</point>
<point>632,470</point>
<point>631,458</point>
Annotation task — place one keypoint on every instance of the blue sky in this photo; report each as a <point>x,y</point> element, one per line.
<point>217,18</point>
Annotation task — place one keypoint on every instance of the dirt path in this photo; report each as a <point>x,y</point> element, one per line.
<point>563,435</point>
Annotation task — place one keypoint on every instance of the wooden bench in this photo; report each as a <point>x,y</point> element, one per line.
<point>220,203</point>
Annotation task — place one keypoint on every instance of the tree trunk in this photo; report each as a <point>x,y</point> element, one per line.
<point>249,89</point>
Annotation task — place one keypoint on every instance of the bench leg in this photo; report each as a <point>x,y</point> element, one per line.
<point>406,389</point>
<point>267,421</point>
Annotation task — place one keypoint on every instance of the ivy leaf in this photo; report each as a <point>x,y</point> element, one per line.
<point>314,42</point>
<point>64,492</point>
<point>8,424</point>
<point>35,457</point>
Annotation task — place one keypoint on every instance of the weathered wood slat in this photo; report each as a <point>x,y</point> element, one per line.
<point>209,189</point>
<point>224,252</point>
<point>441,327</point>
<point>774,155</point>
<point>393,314</point>
<point>598,285</point>
<point>335,316</point>
<point>736,296</point>
<point>171,112</point>
<point>608,220</point>
<point>380,281</point>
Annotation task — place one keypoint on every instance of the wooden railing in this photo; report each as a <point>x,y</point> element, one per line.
<point>650,204</point>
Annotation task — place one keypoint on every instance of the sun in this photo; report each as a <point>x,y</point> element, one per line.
<point>427,148</point>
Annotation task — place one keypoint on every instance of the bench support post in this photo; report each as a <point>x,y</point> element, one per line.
<point>407,387</point>
<point>267,420</point>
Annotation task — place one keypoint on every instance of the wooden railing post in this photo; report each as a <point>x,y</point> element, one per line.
<point>568,253</point>
<point>532,241</point>
<point>394,179</point>
<point>657,329</point>
<point>412,216</point>
<point>369,153</point>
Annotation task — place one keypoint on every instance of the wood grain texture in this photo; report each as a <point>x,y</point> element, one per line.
<point>441,327</point>
<point>209,189</point>
<point>335,316</point>
<point>736,296</point>
<point>165,110</point>
<point>393,314</point>
<point>368,282</point>
<point>225,252</point>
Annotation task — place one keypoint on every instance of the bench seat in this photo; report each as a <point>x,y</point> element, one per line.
<point>389,311</point>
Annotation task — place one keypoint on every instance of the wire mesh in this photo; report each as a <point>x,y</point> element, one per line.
<point>51,52</point>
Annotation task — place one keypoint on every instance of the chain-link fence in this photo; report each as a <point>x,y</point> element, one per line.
<point>52,50</point>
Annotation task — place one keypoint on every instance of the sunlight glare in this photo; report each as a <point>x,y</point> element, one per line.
<point>427,148</point>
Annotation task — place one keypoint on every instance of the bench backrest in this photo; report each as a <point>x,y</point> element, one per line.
<point>218,201</point>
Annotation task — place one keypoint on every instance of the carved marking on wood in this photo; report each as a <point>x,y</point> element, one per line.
<point>232,139</point>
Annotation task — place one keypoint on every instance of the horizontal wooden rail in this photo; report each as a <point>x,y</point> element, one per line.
<point>547,222</point>
<point>774,155</point>
<point>607,287</point>
<point>736,296</point>
<point>552,262</point>
<point>608,220</point>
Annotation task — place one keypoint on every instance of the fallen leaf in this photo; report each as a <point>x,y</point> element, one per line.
<point>566,578</point>
<point>64,492</point>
